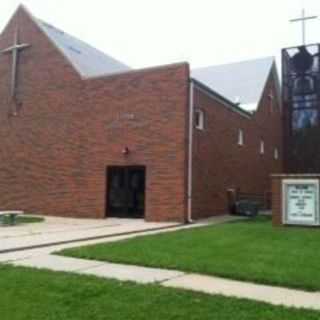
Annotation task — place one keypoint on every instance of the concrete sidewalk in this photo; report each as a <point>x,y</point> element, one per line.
<point>100,269</point>
<point>110,236</point>
<point>176,279</point>
<point>43,258</point>
<point>232,288</point>
<point>55,230</point>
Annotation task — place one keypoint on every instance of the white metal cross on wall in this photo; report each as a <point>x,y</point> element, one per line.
<point>303,20</point>
<point>14,50</point>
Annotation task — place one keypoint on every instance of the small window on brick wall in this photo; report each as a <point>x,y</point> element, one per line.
<point>240,137</point>
<point>276,154</point>
<point>199,119</point>
<point>271,99</point>
<point>261,147</point>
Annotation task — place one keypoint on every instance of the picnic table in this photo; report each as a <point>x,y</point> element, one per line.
<point>12,215</point>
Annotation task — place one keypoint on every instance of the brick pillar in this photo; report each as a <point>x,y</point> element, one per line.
<point>276,201</point>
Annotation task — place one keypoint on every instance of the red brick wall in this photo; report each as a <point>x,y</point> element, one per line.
<point>53,156</point>
<point>219,163</point>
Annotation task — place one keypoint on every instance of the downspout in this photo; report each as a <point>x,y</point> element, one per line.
<point>190,151</point>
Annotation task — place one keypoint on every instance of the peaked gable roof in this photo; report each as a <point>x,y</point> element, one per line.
<point>86,60</point>
<point>241,82</point>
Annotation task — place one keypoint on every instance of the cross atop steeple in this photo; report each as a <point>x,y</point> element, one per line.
<point>14,50</point>
<point>303,20</point>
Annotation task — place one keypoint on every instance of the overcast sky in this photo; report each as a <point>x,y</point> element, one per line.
<point>143,33</point>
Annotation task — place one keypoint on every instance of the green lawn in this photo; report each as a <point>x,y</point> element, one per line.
<point>246,250</point>
<point>21,220</point>
<point>30,294</point>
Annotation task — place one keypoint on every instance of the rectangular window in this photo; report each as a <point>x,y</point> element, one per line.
<point>199,119</point>
<point>271,98</point>
<point>261,147</point>
<point>240,137</point>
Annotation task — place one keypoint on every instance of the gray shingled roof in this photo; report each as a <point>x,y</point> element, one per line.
<point>241,82</point>
<point>88,61</point>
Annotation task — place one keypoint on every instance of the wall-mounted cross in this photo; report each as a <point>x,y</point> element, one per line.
<point>303,20</point>
<point>14,50</point>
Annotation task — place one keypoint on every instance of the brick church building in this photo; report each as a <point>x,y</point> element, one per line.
<point>84,135</point>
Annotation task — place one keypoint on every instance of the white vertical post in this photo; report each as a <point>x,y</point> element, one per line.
<point>303,27</point>
<point>303,20</point>
<point>190,153</point>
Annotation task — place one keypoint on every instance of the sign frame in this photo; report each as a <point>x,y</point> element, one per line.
<point>285,201</point>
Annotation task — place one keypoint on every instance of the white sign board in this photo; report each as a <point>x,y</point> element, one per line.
<point>301,202</point>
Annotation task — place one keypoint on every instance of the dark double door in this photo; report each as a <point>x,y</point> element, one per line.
<point>126,191</point>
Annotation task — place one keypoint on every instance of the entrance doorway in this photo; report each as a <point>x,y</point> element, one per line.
<point>126,191</point>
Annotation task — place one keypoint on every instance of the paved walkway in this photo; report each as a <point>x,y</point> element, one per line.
<point>100,269</point>
<point>56,230</point>
<point>113,234</point>
<point>177,279</point>
<point>43,258</point>
<point>232,288</point>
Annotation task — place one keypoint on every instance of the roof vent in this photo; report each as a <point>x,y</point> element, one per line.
<point>74,49</point>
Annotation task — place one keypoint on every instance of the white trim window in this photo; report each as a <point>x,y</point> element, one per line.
<point>261,147</point>
<point>240,137</point>
<point>276,154</point>
<point>199,119</point>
